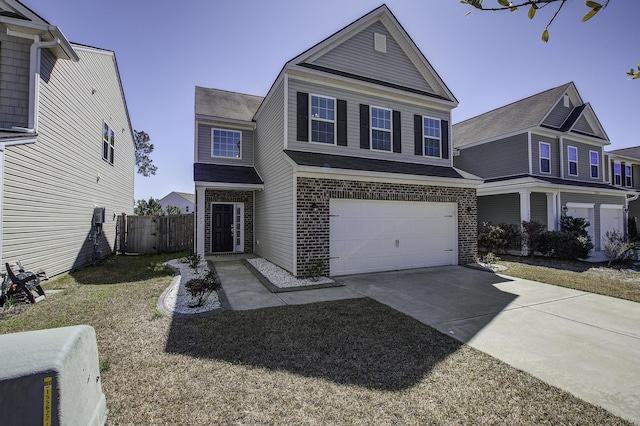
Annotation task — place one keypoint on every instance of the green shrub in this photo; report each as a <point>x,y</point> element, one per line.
<point>499,238</point>
<point>571,242</point>
<point>632,229</point>
<point>201,287</point>
<point>532,235</point>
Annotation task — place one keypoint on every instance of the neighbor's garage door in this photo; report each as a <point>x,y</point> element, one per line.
<point>371,236</point>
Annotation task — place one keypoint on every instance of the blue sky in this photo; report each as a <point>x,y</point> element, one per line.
<point>487,59</point>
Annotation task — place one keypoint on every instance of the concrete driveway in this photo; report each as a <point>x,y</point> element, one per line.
<point>586,344</point>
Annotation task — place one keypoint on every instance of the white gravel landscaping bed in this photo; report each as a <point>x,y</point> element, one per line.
<point>178,299</point>
<point>283,279</point>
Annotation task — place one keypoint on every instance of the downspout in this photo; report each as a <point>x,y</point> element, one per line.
<point>34,82</point>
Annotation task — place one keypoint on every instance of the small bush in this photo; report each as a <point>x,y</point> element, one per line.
<point>532,235</point>
<point>499,238</point>
<point>632,229</point>
<point>616,247</point>
<point>571,242</point>
<point>201,287</point>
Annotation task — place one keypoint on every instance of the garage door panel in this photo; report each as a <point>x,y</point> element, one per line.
<point>369,236</point>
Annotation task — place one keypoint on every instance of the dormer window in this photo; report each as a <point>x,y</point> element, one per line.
<point>226,143</point>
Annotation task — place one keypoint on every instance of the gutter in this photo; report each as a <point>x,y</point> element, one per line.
<point>34,82</point>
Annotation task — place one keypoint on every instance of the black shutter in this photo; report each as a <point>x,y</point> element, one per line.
<point>364,126</point>
<point>342,122</point>
<point>417,134</point>
<point>622,175</point>
<point>397,132</point>
<point>303,117</point>
<point>444,133</point>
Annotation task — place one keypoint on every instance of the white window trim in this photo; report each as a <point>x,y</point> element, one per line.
<point>540,157</point>
<point>334,121</point>
<point>628,175</point>
<point>111,147</point>
<point>425,136</point>
<point>614,174</point>
<point>239,157</point>
<point>597,165</point>
<point>569,148</point>
<point>371,129</point>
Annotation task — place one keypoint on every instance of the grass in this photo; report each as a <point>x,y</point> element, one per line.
<point>613,281</point>
<point>345,362</point>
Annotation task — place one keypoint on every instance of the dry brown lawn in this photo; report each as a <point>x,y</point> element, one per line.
<point>347,362</point>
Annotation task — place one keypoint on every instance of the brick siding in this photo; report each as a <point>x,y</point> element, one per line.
<point>313,226</point>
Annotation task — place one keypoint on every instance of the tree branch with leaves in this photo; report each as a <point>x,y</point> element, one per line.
<point>144,148</point>
<point>535,5</point>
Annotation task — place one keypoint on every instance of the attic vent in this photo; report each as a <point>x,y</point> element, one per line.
<point>566,101</point>
<point>380,43</point>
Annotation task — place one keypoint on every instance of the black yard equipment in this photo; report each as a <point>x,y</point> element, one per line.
<point>21,284</point>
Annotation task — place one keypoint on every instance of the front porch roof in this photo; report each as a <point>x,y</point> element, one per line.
<point>225,175</point>
<point>558,181</point>
<point>343,162</point>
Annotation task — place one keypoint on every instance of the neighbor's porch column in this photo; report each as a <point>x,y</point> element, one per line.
<point>552,210</point>
<point>199,237</point>
<point>525,213</point>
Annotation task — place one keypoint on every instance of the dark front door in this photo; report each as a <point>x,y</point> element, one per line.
<point>222,228</point>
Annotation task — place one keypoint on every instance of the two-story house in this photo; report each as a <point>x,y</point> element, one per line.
<point>345,163</point>
<point>67,158</point>
<point>623,171</point>
<point>541,157</point>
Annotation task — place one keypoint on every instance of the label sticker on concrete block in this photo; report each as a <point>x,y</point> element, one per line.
<point>46,415</point>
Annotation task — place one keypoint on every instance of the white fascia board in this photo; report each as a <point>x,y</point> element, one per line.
<point>319,77</point>
<point>270,93</point>
<point>241,124</point>
<point>367,176</point>
<point>535,185</point>
<point>613,156</point>
<point>17,141</point>
<point>230,186</point>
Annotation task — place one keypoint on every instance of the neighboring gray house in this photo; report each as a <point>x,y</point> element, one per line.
<point>623,170</point>
<point>541,157</point>
<point>346,163</point>
<point>66,145</point>
<point>181,200</point>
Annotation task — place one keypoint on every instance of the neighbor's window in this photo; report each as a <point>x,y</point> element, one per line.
<point>323,119</point>
<point>628,177</point>
<point>226,143</point>
<point>380,129</point>
<point>594,163</point>
<point>545,157</point>
<point>617,174</point>
<point>431,135</point>
<point>108,143</point>
<point>572,156</point>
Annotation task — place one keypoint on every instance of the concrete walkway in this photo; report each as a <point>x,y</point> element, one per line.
<point>586,344</point>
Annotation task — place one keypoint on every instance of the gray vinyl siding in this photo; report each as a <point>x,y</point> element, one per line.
<point>635,171</point>
<point>558,114</point>
<point>354,99</point>
<point>535,155</point>
<point>539,207</point>
<point>14,81</point>
<point>357,56</point>
<point>51,187</point>
<point>584,165</point>
<point>504,157</point>
<point>597,200</point>
<point>582,125</point>
<point>205,149</point>
<point>605,168</point>
<point>274,221</point>
<point>503,208</point>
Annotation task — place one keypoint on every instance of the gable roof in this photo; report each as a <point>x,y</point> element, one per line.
<point>24,22</point>
<point>528,113</point>
<point>226,105</point>
<point>381,14</point>
<point>631,152</point>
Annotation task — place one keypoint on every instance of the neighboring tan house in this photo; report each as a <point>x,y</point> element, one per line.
<point>66,146</point>
<point>345,164</point>
<point>181,200</point>
<point>541,157</point>
<point>623,170</point>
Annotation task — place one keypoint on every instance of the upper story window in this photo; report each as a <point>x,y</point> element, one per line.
<point>432,137</point>
<point>545,157</point>
<point>381,129</point>
<point>594,164</point>
<point>617,174</point>
<point>628,175</point>
<point>572,156</point>
<point>226,143</point>
<point>323,119</point>
<point>108,143</point>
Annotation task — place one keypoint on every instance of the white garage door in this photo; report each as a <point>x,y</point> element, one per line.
<point>372,236</point>
<point>611,218</point>
<point>585,211</point>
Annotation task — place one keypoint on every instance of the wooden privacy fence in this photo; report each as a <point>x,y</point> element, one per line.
<point>155,234</point>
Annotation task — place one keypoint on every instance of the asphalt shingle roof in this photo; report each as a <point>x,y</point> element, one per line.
<point>246,175</point>
<point>223,104</point>
<point>632,152</point>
